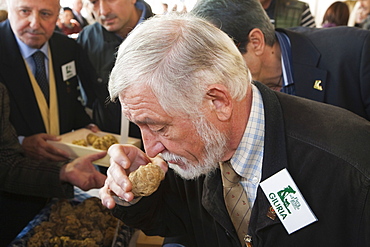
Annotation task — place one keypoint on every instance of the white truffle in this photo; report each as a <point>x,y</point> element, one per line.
<point>146,179</point>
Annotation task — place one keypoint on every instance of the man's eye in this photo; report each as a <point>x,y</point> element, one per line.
<point>160,130</point>
<point>25,11</point>
<point>46,14</point>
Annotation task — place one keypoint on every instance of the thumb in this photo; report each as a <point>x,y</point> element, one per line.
<point>97,156</point>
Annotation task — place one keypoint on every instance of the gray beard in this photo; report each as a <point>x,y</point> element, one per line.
<point>214,149</point>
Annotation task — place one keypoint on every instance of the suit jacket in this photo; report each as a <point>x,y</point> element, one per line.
<point>326,152</point>
<point>339,58</point>
<point>23,190</point>
<point>25,115</point>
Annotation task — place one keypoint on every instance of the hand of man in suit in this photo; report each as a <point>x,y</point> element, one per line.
<point>37,147</point>
<point>82,173</point>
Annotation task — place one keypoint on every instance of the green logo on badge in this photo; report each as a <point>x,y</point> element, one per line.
<point>286,199</point>
<point>283,194</point>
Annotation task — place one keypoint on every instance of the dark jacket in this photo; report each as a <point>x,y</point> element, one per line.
<point>324,148</point>
<point>339,58</point>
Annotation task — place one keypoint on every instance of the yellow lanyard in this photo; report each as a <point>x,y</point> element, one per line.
<point>50,114</point>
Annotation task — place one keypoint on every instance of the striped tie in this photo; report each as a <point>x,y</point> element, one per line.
<point>236,200</point>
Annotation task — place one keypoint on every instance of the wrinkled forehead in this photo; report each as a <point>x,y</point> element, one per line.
<point>140,104</point>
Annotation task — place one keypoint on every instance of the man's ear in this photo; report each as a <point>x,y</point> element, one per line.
<point>256,42</point>
<point>220,101</point>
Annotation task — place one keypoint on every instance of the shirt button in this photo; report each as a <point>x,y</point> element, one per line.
<point>255,180</point>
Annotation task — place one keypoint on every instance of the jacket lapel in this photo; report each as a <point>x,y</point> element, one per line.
<point>274,159</point>
<point>310,80</point>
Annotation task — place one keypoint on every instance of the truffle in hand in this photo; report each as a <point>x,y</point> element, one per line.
<point>146,179</point>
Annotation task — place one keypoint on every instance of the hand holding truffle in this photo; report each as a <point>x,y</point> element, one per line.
<point>130,175</point>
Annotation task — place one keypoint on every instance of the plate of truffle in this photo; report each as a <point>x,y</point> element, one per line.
<point>83,141</point>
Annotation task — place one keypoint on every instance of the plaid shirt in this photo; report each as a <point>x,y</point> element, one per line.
<point>247,160</point>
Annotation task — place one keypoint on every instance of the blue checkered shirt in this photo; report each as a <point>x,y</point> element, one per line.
<point>247,160</point>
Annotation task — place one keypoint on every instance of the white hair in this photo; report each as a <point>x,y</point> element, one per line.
<point>179,56</point>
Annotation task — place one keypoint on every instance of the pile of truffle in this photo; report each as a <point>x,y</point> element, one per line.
<point>87,224</point>
<point>102,143</point>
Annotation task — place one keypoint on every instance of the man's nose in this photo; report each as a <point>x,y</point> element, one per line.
<point>152,145</point>
<point>104,8</point>
<point>34,20</point>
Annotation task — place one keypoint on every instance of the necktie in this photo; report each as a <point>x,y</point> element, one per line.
<point>236,200</point>
<point>40,75</point>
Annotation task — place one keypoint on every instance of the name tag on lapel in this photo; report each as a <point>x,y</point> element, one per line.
<point>287,201</point>
<point>69,70</point>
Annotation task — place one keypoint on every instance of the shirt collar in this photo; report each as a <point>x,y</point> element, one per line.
<point>141,6</point>
<point>249,154</point>
<point>27,51</point>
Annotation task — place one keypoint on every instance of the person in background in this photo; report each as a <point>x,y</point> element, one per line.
<point>3,15</point>
<point>303,61</point>
<point>360,17</point>
<point>115,20</point>
<point>41,109</point>
<point>41,113</point>
<point>203,119</point>
<point>288,13</point>
<point>365,8</point>
<point>174,8</point>
<point>28,178</point>
<point>77,6</point>
<point>165,8</point>
<point>68,25</point>
<point>336,15</point>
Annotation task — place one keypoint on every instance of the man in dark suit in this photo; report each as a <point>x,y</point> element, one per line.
<point>39,116</point>
<point>326,65</point>
<point>199,113</point>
